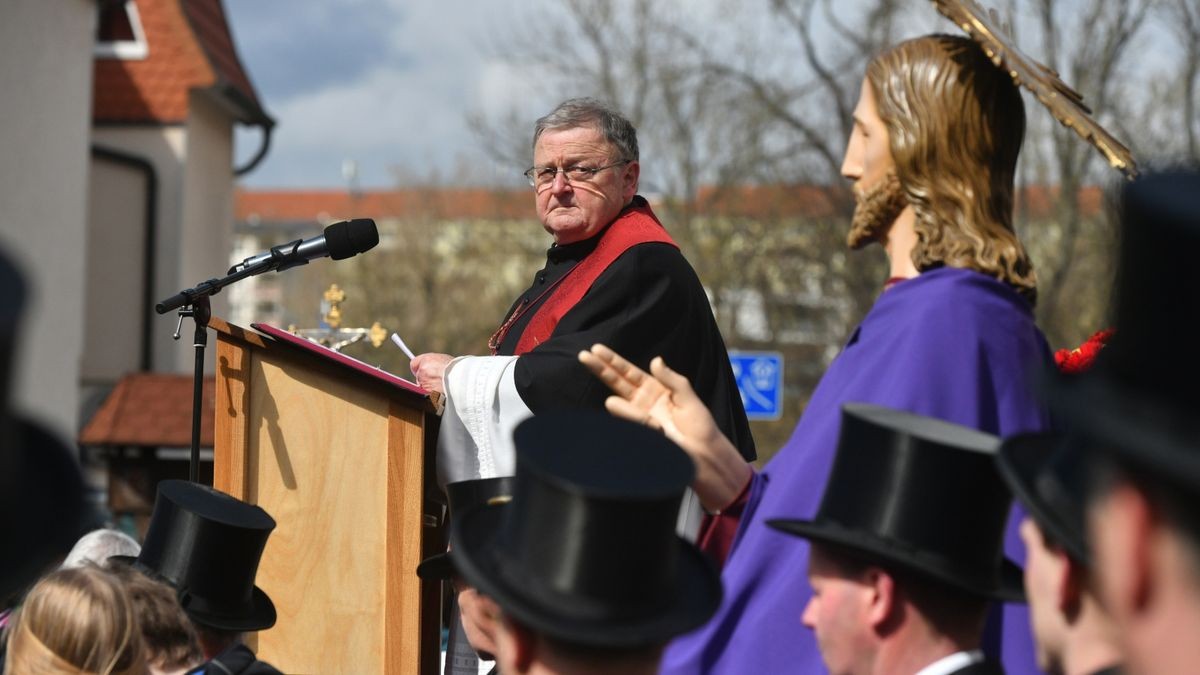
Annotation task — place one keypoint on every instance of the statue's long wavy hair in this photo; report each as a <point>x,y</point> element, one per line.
<point>956,123</point>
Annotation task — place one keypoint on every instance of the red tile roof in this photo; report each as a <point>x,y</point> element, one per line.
<point>1038,200</point>
<point>151,410</point>
<point>316,205</point>
<point>153,89</point>
<point>212,30</point>
<point>807,201</point>
<point>768,201</point>
<point>189,47</point>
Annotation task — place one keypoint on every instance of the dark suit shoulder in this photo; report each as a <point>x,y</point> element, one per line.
<point>237,660</point>
<point>984,667</point>
<point>649,262</point>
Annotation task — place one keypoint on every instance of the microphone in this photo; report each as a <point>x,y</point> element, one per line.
<point>341,240</point>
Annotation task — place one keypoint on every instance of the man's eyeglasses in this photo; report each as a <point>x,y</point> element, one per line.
<point>540,176</point>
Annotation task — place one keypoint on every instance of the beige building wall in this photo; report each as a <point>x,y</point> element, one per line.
<point>117,216</point>
<point>206,232</point>
<point>194,232</point>
<point>115,247</point>
<point>45,112</point>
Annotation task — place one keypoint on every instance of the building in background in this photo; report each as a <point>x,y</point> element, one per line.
<point>168,90</point>
<point>117,178</point>
<point>420,228</point>
<point>45,103</point>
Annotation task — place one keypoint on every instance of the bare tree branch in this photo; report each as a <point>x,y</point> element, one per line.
<point>1092,66</point>
<point>1184,18</point>
<point>801,22</point>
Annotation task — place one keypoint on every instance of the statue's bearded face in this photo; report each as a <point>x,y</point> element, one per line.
<point>869,164</point>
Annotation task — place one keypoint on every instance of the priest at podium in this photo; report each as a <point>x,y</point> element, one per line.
<point>613,275</point>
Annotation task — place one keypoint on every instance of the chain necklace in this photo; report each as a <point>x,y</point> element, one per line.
<point>521,309</point>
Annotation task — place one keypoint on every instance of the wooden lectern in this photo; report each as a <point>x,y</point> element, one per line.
<point>338,453</point>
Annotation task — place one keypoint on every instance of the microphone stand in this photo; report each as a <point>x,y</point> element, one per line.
<point>194,303</point>
<point>201,311</point>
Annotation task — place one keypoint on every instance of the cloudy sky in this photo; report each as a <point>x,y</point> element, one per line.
<point>385,83</point>
<point>388,84</point>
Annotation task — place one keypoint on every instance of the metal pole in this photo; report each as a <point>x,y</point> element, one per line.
<point>201,312</point>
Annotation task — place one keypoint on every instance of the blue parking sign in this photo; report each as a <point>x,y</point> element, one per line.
<point>759,378</point>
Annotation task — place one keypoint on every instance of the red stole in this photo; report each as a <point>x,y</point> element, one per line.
<point>637,225</point>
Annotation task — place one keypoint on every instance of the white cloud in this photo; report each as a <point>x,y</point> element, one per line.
<point>408,110</point>
<point>390,82</point>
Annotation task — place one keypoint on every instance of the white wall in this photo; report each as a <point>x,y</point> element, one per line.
<point>207,228</point>
<point>115,251</point>
<point>194,163</point>
<point>119,216</point>
<point>45,112</point>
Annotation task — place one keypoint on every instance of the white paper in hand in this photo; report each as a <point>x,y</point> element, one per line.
<point>403,347</point>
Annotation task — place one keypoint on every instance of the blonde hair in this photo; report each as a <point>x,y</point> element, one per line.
<point>955,123</point>
<point>168,635</point>
<point>76,621</point>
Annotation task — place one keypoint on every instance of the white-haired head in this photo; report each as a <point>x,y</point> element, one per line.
<point>98,546</point>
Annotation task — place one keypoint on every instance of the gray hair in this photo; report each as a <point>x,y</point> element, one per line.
<point>589,112</point>
<point>98,546</point>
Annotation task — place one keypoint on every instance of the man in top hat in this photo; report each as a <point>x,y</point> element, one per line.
<point>906,547</point>
<point>1073,631</point>
<point>207,545</point>
<point>584,562</point>
<point>473,609</point>
<point>1137,408</point>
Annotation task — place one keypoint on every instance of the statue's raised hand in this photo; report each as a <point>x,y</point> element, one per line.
<point>663,399</point>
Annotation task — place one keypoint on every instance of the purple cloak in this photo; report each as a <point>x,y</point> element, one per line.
<point>952,344</point>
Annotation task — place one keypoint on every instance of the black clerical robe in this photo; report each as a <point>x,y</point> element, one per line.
<point>648,302</point>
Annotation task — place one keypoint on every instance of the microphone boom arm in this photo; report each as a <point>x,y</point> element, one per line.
<point>283,257</point>
<point>204,289</point>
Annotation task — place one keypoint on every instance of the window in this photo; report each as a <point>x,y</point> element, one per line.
<point>119,33</point>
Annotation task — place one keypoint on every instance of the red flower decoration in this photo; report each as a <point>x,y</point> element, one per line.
<point>1074,361</point>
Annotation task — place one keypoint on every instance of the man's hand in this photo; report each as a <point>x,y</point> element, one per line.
<point>480,618</point>
<point>663,399</point>
<point>428,368</point>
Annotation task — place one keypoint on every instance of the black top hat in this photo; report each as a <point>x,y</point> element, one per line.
<point>41,489</point>
<point>463,495</point>
<point>586,551</point>
<point>1141,396</point>
<point>918,493</point>
<point>1046,473</point>
<point>207,545</point>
